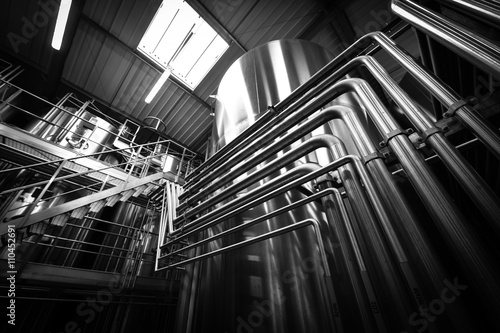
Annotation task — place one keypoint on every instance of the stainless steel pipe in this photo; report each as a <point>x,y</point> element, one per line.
<point>291,156</point>
<point>447,216</point>
<point>468,116</point>
<point>455,229</point>
<point>400,213</point>
<point>330,300</point>
<point>386,277</point>
<point>461,40</point>
<point>479,191</point>
<point>489,10</point>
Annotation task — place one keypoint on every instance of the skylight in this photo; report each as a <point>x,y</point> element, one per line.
<point>180,41</point>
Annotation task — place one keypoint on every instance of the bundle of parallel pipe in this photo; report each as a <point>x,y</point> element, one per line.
<point>296,222</point>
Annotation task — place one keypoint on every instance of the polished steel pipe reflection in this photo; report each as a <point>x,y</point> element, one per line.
<point>461,40</point>
<point>330,300</point>
<point>478,190</point>
<point>488,10</point>
<point>316,85</point>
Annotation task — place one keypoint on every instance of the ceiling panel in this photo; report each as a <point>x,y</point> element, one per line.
<point>103,62</point>
<point>26,30</point>
<point>127,20</point>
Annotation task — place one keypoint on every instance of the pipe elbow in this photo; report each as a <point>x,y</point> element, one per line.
<point>374,35</point>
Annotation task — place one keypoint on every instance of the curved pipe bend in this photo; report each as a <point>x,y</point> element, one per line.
<point>303,149</point>
<point>297,176</point>
<point>467,115</point>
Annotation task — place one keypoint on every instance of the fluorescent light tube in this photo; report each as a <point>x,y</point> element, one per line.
<point>163,78</point>
<point>62,19</point>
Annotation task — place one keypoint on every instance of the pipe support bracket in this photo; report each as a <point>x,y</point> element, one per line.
<point>391,135</point>
<point>458,104</point>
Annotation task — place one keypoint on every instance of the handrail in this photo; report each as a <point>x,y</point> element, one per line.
<point>71,175</point>
<point>71,99</point>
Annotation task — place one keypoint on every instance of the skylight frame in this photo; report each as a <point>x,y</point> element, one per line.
<point>188,54</point>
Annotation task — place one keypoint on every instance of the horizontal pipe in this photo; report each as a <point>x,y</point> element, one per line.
<point>468,116</point>
<point>271,234</point>
<point>234,207</point>
<point>331,298</point>
<point>278,185</point>
<point>72,249</point>
<point>388,274</point>
<point>280,162</point>
<point>255,221</point>
<point>223,152</point>
<point>269,134</point>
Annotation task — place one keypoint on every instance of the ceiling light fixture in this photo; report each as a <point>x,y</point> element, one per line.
<point>62,19</point>
<point>163,78</point>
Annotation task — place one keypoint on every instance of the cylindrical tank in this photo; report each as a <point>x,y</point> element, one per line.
<point>275,285</point>
<point>86,133</point>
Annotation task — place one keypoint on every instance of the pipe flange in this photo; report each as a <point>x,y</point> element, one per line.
<point>452,109</point>
<point>390,135</point>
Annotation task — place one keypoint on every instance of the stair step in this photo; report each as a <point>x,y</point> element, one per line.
<point>151,187</point>
<point>95,207</point>
<point>60,220</point>
<point>139,190</point>
<point>126,195</point>
<point>110,202</point>
<point>37,228</point>
<point>80,212</point>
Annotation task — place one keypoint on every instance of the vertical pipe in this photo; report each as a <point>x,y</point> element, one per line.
<point>456,230</point>
<point>349,268</point>
<point>479,191</point>
<point>405,221</point>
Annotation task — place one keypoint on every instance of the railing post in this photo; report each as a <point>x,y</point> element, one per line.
<point>180,165</point>
<point>42,193</point>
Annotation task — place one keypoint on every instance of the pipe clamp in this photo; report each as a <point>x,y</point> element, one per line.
<point>452,109</point>
<point>428,132</point>
<point>370,157</point>
<point>390,135</point>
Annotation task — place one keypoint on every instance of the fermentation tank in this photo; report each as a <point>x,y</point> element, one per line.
<point>275,285</point>
<point>76,129</point>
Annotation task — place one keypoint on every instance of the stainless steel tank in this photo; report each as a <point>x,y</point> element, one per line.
<point>83,131</point>
<point>275,285</point>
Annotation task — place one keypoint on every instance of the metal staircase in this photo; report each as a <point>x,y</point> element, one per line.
<point>104,185</point>
<point>67,179</point>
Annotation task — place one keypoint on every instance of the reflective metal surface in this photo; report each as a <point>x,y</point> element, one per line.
<point>393,274</point>
<point>277,284</point>
<point>259,79</point>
